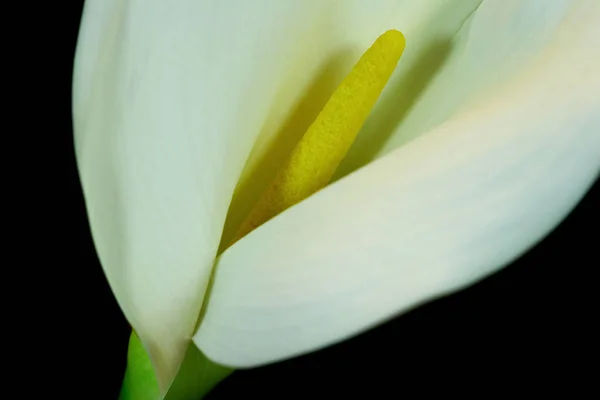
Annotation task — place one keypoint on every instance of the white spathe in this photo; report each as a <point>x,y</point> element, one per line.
<point>442,211</point>
<point>170,97</point>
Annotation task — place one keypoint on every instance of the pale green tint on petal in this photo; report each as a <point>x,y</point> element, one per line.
<point>169,98</point>
<point>433,216</point>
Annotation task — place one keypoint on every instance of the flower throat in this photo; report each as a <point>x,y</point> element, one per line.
<point>315,158</point>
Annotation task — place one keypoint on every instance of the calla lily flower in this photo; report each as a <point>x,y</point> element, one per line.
<point>485,137</point>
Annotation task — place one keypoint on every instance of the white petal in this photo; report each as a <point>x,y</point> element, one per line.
<point>444,74</point>
<point>169,97</point>
<point>349,28</point>
<point>431,217</point>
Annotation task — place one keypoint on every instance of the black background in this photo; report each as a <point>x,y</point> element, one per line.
<point>527,329</point>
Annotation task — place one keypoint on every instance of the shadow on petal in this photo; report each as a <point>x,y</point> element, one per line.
<point>263,171</point>
<point>394,105</point>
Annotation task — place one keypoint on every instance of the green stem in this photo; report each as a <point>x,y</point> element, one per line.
<point>196,377</point>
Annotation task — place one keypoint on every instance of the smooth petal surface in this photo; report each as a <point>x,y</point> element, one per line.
<point>169,99</point>
<point>345,30</point>
<point>446,73</point>
<point>440,212</point>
